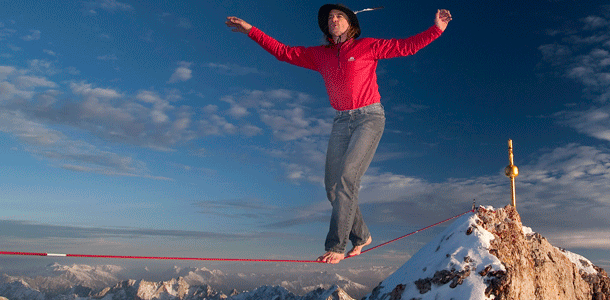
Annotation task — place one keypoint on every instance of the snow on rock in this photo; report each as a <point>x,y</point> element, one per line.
<point>310,282</point>
<point>20,290</point>
<point>490,255</point>
<point>171,289</point>
<point>266,292</point>
<point>334,293</point>
<point>280,293</point>
<point>442,268</point>
<point>56,278</point>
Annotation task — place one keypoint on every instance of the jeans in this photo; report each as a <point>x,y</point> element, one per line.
<point>353,142</point>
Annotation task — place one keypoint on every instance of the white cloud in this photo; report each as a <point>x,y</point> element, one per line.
<point>594,22</point>
<point>216,125</point>
<point>266,99</point>
<point>35,35</point>
<point>250,130</point>
<point>301,131</point>
<point>149,97</point>
<point>86,90</point>
<point>27,82</point>
<point>182,73</point>
<point>114,5</point>
<point>46,98</point>
<point>294,124</point>
<point>237,111</point>
<point>6,33</point>
<point>49,52</point>
<point>14,48</point>
<point>42,66</point>
<point>594,122</point>
<point>8,91</point>
<point>582,55</point>
<point>32,133</point>
<point>232,69</point>
<point>581,239</point>
<point>65,152</point>
<point>72,71</point>
<point>108,5</point>
<point>145,119</point>
<point>5,71</point>
<point>287,124</point>
<point>160,105</point>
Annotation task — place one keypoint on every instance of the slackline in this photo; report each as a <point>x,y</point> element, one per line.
<point>220,259</point>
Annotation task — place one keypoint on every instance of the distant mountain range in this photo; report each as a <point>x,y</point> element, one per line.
<point>172,289</point>
<point>58,281</point>
<point>484,255</point>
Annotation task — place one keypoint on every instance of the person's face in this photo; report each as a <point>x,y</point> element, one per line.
<point>337,23</point>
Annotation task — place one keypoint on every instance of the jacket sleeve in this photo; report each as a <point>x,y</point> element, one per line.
<point>298,56</point>
<point>389,48</point>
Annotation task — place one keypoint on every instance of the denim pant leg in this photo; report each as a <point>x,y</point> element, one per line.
<point>353,142</point>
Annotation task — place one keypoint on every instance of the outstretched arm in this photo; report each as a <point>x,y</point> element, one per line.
<point>298,56</point>
<point>238,25</point>
<point>385,48</point>
<point>442,18</point>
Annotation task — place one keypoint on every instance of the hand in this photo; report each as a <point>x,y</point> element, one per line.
<point>239,24</point>
<point>442,18</point>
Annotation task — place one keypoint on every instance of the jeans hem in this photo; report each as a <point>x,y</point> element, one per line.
<point>365,240</point>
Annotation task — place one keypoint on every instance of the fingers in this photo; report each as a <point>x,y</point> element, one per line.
<point>444,15</point>
<point>233,21</point>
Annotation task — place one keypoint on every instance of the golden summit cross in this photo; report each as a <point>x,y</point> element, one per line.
<point>511,172</point>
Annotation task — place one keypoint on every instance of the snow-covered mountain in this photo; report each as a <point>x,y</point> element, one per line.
<point>106,282</point>
<point>57,279</point>
<point>280,293</point>
<point>172,289</point>
<point>490,255</point>
<point>483,255</point>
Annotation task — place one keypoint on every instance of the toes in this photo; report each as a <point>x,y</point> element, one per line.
<point>331,258</point>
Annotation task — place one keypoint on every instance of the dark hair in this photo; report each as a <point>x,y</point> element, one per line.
<point>352,32</point>
<point>354,26</point>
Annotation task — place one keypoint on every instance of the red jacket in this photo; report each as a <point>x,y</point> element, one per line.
<point>348,68</point>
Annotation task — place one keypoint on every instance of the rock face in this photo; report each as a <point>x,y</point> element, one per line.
<point>172,289</point>
<point>534,268</point>
<point>279,293</point>
<point>490,255</point>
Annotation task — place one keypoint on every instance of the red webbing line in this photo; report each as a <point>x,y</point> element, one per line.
<point>191,258</point>
<point>157,257</point>
<point>221,259</point>
<point>23,253</point>
<point>414,232</point>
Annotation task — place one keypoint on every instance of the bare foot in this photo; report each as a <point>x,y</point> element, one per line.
<point>358,249</point>
<point>331,257</point>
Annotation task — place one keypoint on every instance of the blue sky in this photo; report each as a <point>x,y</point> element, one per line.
<point>149,128</point>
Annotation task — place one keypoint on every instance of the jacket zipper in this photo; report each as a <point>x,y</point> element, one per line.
<point>339,54</point>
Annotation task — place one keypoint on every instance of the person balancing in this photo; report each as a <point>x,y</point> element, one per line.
<point>347,65</point>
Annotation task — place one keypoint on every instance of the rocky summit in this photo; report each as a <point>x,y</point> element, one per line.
<point>491,255</point>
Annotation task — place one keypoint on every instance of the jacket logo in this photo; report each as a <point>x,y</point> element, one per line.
<point>351,59</point>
